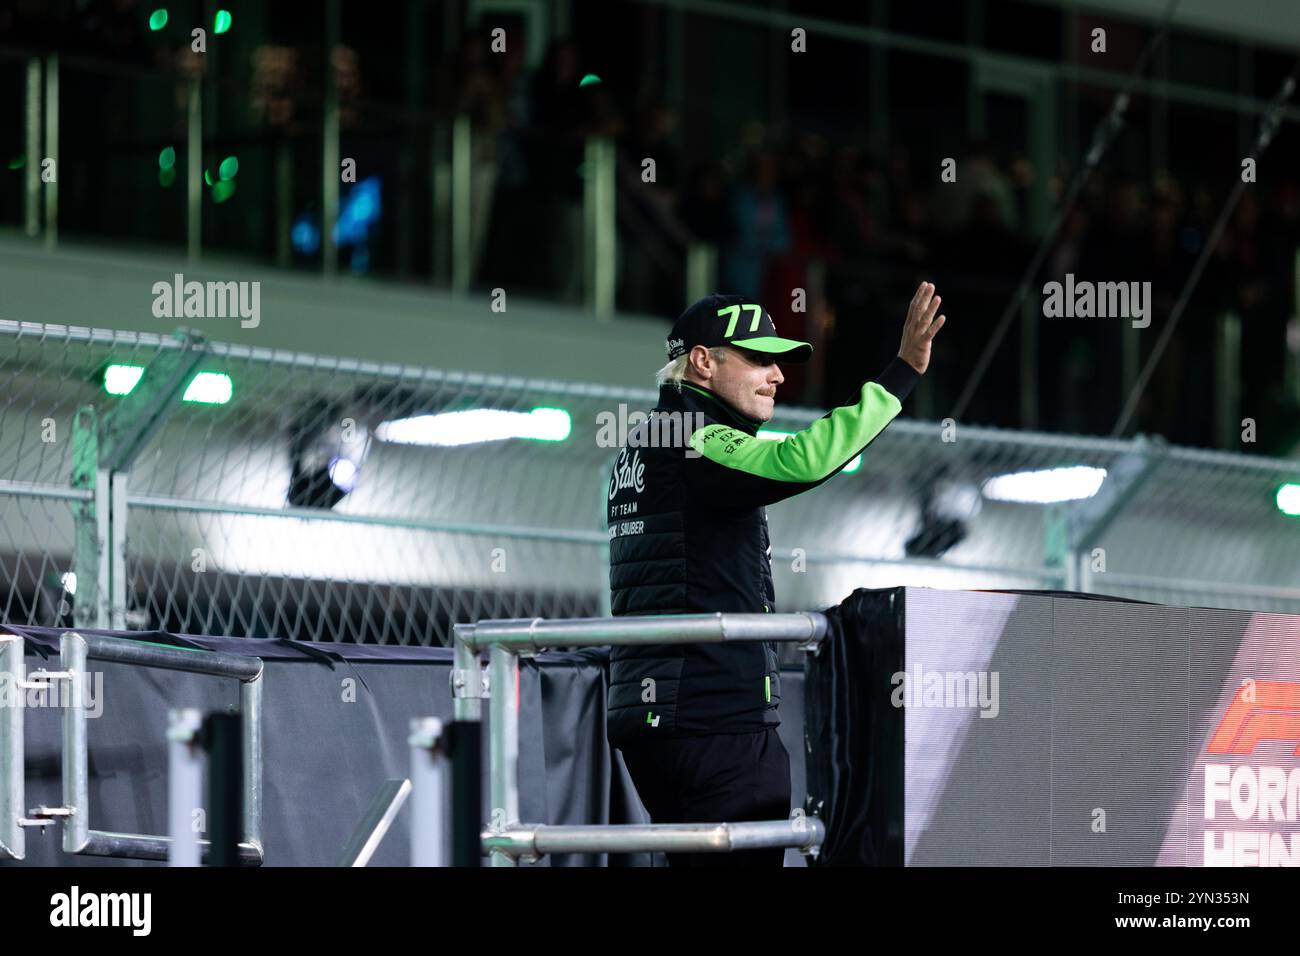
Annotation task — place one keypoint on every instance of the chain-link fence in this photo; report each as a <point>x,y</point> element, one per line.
<point>153,482</point>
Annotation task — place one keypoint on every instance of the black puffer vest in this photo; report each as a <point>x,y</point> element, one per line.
<point>673,550</point>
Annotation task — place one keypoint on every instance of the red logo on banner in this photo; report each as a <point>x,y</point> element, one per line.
<point>1272,714</point>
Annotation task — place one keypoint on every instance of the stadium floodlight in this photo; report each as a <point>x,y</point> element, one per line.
<point>771,434</point>
<point>328,446</point>
<point>209,388</point>
<point>1288,499</point>
<point>343,473</point>
<point>69,581</point>
<point>122,379</point>
<point>947,508</point>
<point>1045,486</point>
<point>476,425</point>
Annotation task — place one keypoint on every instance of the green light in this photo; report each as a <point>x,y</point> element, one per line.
<point>550,424</point>
<point>18,162</point>
<point>221,22</point>
<point>166,177</point>
<point>209,388</point>
<point>121,379</point>
<point>589,80</point>
<point>772,434</point>
<point>167,158</point>
<point>228,168</point>
<point>1288,499</point>
<point>157,20</point>
<point>207,176</point>
<point>223,190</point>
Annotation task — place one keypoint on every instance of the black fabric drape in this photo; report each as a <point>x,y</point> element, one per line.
<point>854,735</point>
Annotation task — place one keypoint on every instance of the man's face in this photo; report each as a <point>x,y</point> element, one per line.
<point>748,380</point>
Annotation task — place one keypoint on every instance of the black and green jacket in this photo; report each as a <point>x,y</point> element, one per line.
<point>688,534</point>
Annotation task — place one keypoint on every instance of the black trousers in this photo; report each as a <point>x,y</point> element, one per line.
<point>721,778</point>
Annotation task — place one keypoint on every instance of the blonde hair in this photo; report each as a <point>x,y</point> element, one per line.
<point>674,373</point>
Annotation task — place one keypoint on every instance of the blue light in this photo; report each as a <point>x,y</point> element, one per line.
<point>305,236</point>
<point>359,211</point>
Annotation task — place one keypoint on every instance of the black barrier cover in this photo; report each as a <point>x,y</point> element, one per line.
<point>853,735</point>
<point>335,724</point>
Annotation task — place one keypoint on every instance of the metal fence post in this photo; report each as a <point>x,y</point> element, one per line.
<point>599,234</point>
<point>12,789</point>
<point>429,780</point>
<point>462,216</point>
<point>116,592</point>
<point>184,784</point>
<point>1089,519</point>
<point>106,449</point>
<point>32,134</point>
<point>250,706</point>
<point>88,546</point>
<point>76,785</point>
<point>503,727</point>
<point>52,149</point>
<point>440,193</point>
<point>330,145</point>
<point>194,170</point>
<point>1227,382</point>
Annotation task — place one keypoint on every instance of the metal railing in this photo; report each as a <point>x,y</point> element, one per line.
<point>510,841</point>
<point>79,837</point>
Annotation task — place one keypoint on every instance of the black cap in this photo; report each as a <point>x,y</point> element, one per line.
<point>732,320</point>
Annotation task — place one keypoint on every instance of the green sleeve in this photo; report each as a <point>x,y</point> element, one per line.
<point>807,456</point>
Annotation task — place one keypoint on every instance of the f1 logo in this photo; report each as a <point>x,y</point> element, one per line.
<point>1264,710</point>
